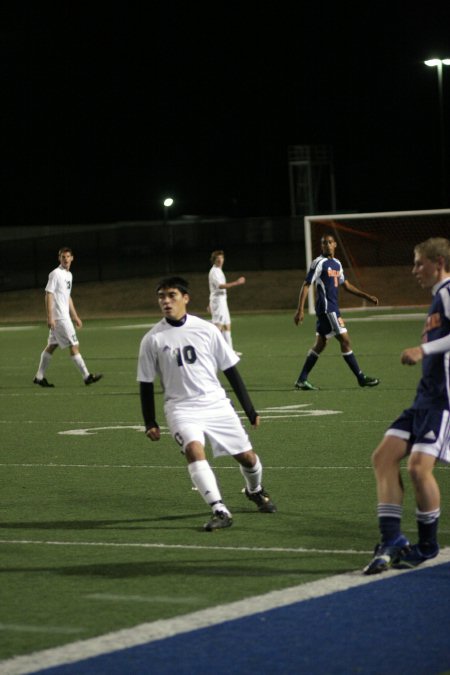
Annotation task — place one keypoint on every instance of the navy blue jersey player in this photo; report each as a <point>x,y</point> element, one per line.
<point>422,432</point>
<point>327,274</point>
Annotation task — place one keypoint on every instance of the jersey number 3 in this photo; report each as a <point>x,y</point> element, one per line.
<point>185,355</point>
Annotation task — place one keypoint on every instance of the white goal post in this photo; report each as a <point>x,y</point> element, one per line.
<point>376,251</point>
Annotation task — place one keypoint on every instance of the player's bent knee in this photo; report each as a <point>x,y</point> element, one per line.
<point>194,452</point>
<point>418,468</point>
<point>382,458</point>
<point>248,458</point>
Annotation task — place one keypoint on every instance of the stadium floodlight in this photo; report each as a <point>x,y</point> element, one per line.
<point>438,63</point>
<point>167,203</point>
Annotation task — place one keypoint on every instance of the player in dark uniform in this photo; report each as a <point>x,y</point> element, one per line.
<point>327,274</point>
<point>422,432</point>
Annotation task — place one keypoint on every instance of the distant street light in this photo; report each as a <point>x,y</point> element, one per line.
<point>167,203</point>
<point>438,63</point>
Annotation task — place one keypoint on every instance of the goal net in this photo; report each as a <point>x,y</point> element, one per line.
<point>376,251</point>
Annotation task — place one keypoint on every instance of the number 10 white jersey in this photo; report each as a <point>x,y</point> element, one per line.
<point>186,358</point>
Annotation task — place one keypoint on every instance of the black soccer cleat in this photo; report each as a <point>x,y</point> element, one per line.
<point>366,381</point>
<point>386,556</point>
<point>304,385</point>
<point>42,383</point>
<point>93,378</point>
<point>219,520</point>
<point>262,501</point>
<point>413,556</point>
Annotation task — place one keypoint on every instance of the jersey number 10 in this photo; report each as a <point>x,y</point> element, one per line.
<point>186,355</point>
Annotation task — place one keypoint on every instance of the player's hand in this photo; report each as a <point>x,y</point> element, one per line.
<point>241,281</point>
<point>411,356</point>
<point>257,421</point>
<point>154,434</point>
<point>78,322</point>
<point>298,317</point>
<point>373,299</point>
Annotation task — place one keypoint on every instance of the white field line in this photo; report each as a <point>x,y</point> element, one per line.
<point>184,547</point>
<point>165,628</point>
<point>387,317</point>
<point>131,326</point>
<point>4,329</point>
<point>86,431</point>
<point>170,467</point>
<point>29,628</point>
<point>153,599</point>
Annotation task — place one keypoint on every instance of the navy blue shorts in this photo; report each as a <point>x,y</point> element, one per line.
<point>427,431</point>
<point>330,325</point>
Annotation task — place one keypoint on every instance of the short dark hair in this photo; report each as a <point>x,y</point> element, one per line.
<point>215,254</point>
<point>173,282</point>
<point>65,249</point>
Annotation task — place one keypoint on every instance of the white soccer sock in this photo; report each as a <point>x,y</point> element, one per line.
<point>427,517</point>
<point>80,364</point>
<point>227,335</point>
<point>253,476</point>
<point>44,363</point>
<point>205,481</point>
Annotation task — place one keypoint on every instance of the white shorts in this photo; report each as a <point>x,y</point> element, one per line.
<point>220,425</point>
<point>63,334</point>
<point>220,313</point>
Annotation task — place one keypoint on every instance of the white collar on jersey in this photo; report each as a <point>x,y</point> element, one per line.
<point>437,286</point>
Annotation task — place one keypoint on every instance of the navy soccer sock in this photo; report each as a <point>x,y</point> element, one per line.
<point>352,363</point>
<point>309,364</point>
<point>389,523</point>
<point>427,525</point>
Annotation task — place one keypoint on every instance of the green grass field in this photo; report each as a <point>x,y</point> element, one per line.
<point>100,529</point>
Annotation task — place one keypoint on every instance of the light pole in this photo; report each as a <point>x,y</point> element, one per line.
<point>167,203</point>
<point>438,63</point>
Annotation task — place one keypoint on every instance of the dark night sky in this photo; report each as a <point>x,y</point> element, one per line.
<point>107,108</point>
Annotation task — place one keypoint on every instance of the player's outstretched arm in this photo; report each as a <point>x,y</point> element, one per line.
<point>49,305</point>
<point>361,294</point>
<point>300,313</point>
<point>73,313</point>
<point>411,356</point>
<point>147,395</point>
<point>154,434</point>
<point>231,284</point>
<point>233,376</point>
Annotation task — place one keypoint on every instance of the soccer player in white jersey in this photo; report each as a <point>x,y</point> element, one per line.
<point>421,432</point>
<point>218,305</point>
<point>327,274</point>
<point>186,352</point>
<point>61,315</point>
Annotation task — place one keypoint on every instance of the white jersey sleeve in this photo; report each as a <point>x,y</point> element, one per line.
<point>341,272</point>
<point>216,277</point>
<point>59,284</point>
<point>147,370</point>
